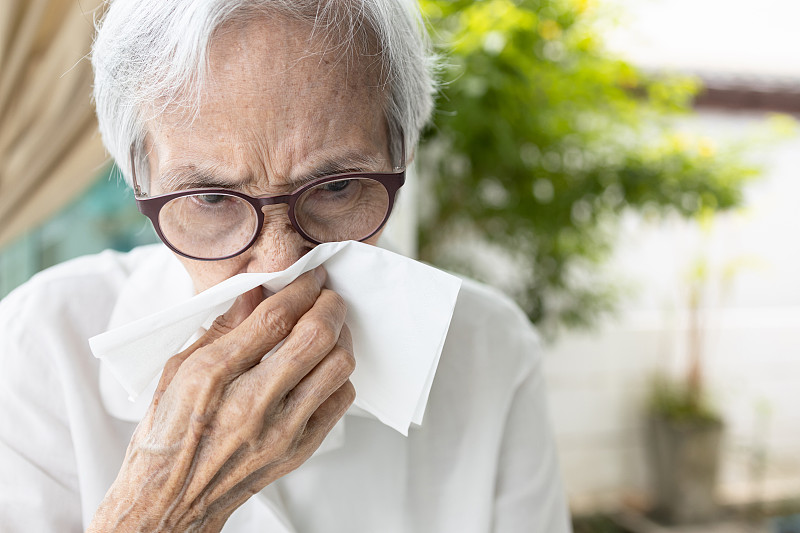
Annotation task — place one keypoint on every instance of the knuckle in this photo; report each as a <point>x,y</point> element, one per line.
<point>195,381</point>
<point>197,375</point>
<point>282,441</point>
<point>316,330</point>
<point>278,321</point>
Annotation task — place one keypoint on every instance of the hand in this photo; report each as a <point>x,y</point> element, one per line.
<point>224,423</point>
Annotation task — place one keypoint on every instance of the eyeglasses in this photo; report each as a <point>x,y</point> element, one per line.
<point>214,224</point>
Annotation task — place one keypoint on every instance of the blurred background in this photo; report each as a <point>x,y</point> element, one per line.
<point>625,169</point>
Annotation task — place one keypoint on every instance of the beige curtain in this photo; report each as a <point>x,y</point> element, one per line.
<point>50,150</point>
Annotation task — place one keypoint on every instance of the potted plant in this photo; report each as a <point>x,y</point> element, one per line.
<point>685,432</point>
<point>684,449</point>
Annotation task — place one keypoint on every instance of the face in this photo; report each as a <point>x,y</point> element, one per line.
<point>276,109</point>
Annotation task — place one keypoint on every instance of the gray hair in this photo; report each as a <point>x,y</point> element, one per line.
<point>155,52</point>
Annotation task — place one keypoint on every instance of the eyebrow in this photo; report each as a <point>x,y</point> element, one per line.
<point>350,162</point>
<point>190,176</point>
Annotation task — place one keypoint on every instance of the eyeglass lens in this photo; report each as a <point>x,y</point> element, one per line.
<point>212,226</point>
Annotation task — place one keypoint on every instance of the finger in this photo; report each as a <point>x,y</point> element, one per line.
<point>282,447</point>
<point>316,429</point>
<point>318,385</point>
<point>321,422</point>
<point>314,336</point>
<point>329,374</point>
<point>238,312</point>
<point>318,426</point>
<point>244,305</point>
<point>269,323</point>
<point>260,412</point>
<point>215,354</point>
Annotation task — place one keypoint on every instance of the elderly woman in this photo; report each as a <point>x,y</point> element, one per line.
<point>222,114</point>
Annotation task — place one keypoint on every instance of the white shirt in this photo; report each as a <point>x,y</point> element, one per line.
<point>484,459</point>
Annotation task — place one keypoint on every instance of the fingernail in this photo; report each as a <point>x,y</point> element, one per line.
<point>322,274</point>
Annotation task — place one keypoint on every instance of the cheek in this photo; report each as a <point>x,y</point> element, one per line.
<point>206,274</point>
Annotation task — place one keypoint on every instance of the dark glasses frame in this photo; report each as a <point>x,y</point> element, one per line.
<point>150,206</point>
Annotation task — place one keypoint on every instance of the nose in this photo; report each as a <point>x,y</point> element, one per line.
<point>278,245</point>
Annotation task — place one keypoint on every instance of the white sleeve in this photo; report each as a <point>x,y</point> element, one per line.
<point>38,480</point>
<point>529,496</point>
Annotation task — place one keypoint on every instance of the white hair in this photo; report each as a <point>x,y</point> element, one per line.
<point>156,51</point>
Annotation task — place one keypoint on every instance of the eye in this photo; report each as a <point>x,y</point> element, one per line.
<point>335,186</point>
<point>210,198</point>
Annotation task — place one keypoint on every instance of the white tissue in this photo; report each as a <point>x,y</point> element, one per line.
<point>399,311</point>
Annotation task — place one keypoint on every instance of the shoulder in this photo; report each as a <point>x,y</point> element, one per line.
<point>490,332</point>
<point>491,351</point>
<point>478,302</point>
<point>45,325</point>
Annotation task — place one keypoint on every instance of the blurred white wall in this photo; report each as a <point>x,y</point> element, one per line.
<point>710,36</point>
<point>599,381</point>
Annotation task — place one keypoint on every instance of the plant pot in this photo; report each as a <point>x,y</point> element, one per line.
<point>684,461</point>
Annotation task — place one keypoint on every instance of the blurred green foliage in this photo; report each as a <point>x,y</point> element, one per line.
<point>542,139</point>
<point>677,402</point>
<point>596,524</point>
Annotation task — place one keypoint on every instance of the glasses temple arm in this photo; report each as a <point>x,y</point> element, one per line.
<point>137,191</point>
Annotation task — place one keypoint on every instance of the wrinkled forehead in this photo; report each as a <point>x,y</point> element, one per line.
<point>276,94</point>
<point>266,52</point>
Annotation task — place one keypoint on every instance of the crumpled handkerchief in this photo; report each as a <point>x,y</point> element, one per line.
<point>399,311</point>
